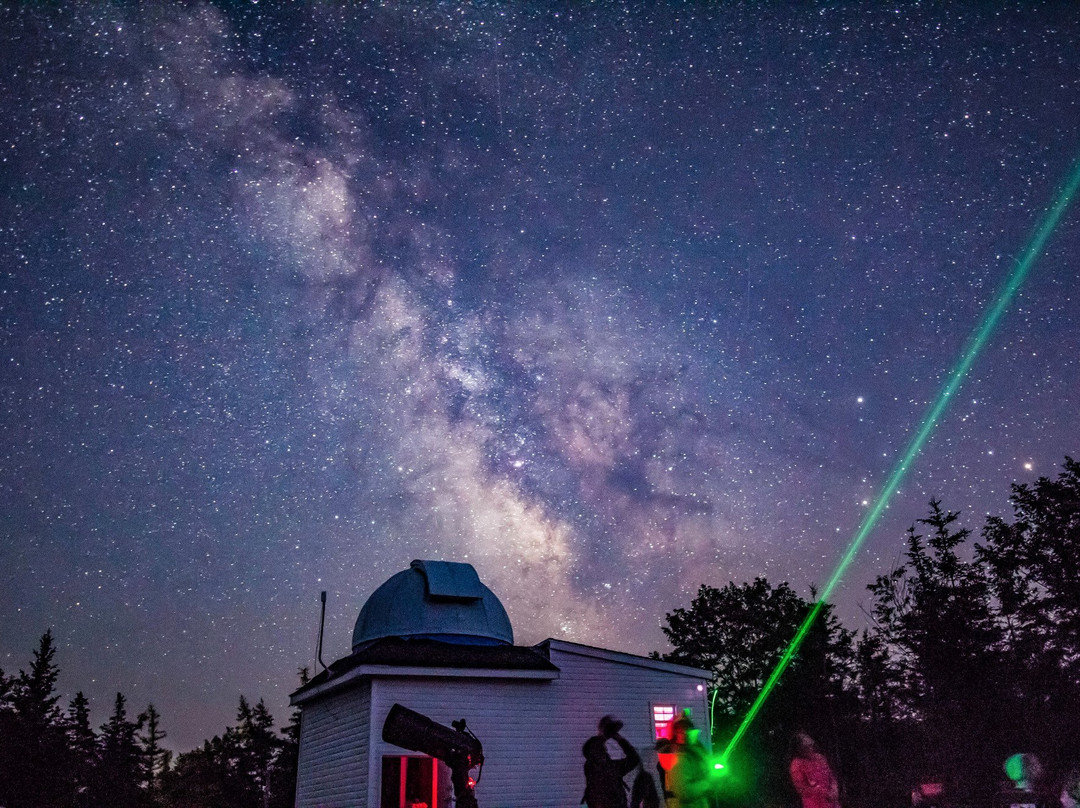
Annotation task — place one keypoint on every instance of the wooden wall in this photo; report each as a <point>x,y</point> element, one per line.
<point>335,735</point>
<point>532,730</point>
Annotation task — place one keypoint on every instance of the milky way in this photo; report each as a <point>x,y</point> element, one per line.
<point>609,302</point>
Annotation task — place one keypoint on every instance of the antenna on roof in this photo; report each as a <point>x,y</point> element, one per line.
<point>322,622</point>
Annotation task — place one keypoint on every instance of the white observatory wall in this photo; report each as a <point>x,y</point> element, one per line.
<point>626,689</point>
<point>592,686</point>
<point>532,730</point>
<point>335,740</point>
<point>511,717</point>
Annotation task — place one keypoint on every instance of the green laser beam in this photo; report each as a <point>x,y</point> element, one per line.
<point>975,344</point>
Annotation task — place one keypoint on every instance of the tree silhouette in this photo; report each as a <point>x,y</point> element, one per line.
<point>51,759</point>
<point>120,767</point>
<point>935,624</point>
<point>740,632</point>
<point>34,739</point>
<point>83,744</point>
<point>205,777</point>
<point>1033,565</point>
<point>288,759</point>
<point>258,747</point>
<point>155,759</point>
<point>241,768</point>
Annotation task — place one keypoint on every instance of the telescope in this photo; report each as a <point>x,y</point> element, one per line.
<point>456,746</point>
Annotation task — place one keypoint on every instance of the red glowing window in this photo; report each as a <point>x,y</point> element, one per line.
<point>410,782</point>
<point>662,716</point>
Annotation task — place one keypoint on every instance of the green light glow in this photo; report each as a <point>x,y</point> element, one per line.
<point>975,345</point>
<point>1014,767</point>
<point>718,770</point>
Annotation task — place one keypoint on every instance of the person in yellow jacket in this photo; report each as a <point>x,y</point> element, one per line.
<point>683,767</point>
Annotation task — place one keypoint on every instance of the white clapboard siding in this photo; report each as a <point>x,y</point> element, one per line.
<point>335,734</point>
<point>513,719</point>
<point>532,728</point>
<point>533,731</point>
<point>598,682</point>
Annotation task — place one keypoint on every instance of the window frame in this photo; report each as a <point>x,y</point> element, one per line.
<point>667,707</point>
<point>403,774</point>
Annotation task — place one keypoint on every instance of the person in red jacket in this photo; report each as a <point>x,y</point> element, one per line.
<point>811,775</point>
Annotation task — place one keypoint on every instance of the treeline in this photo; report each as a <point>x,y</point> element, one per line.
<point>971,654</point>
<point>53,758</point>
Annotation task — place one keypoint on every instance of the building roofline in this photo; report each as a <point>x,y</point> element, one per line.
<point>396,656</point>
<point>623,658</point>
<point>362,672</point>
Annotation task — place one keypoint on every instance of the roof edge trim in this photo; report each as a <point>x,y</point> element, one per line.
<point>624,658</point>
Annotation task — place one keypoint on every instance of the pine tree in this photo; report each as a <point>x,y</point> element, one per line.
<point>83,743</point>
<point>155,759</point>
<point>259,746</point>
<point>8,738</point>
<point>284,778</point>
<point>205,777</point>
<point>34,693</point>
<point>37,742</point>
<point>1033,564</point>
<point>933,649</point>
<point>120,767</point>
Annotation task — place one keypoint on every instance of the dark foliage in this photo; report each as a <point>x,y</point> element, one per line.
<point>937,670</point>
<point>51,759</point>
<point>1033,569</point>
<point>120,764</point>
<point>83,746</point>
<point>740,632</point>
<point>155,759</point>
<point>32,736</point>
<point>971,654</point>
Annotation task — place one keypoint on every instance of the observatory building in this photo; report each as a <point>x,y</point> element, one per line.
<point>435,640</point>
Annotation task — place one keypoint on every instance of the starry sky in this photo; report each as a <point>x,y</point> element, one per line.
<point>608,300</point>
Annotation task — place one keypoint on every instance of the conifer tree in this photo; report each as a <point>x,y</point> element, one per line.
<point>38,743</point>
<point>259,747</point>
<point>35,694</point>
<point>82,743</point>
<point>1033,564</point>
<point>8,734</point>
<point>935,624</point>
<point>284,778</point>
<point>155,758</point>
<point>120,767</point>
<point>205,777</point>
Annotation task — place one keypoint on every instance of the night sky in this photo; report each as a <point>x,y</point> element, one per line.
<point>609,301</point>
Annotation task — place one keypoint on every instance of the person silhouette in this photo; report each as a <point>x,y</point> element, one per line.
<point>604,785</point>
<point>811,775</point>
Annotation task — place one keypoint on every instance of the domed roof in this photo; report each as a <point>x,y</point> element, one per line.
<point>441,600</point>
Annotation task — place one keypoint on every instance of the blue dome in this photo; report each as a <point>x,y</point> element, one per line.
<point>440,600</point>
